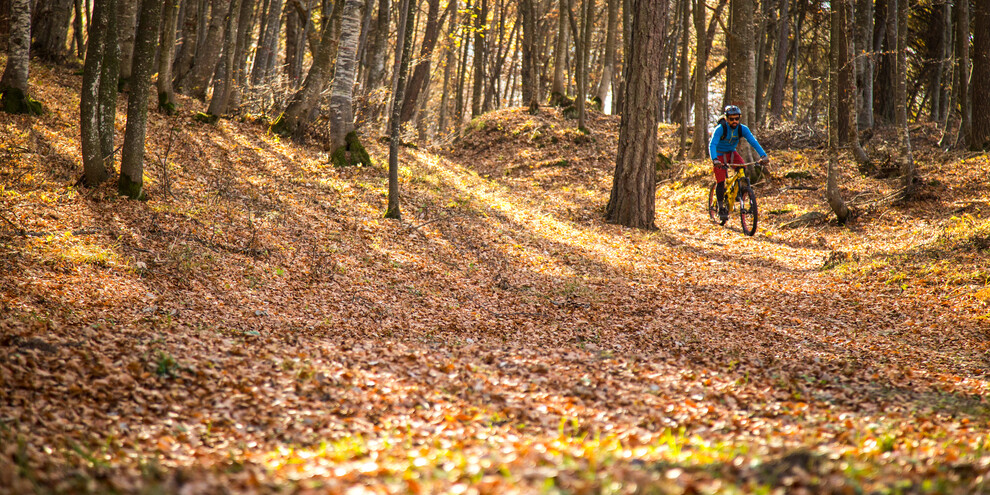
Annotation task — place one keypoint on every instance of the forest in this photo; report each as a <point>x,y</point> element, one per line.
<point>473,246</point>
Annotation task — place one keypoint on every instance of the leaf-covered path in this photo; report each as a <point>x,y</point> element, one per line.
<point>265,330</point>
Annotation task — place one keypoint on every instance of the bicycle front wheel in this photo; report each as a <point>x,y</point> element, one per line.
<point>712,204</point>
<point>748,212</point>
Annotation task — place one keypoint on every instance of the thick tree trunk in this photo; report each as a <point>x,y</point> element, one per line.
<point>632,201</point>
<point>131,182</point>
<point>4,24</point>
<point>402,56</point>
<point>295,118</point>
<point>699,144</point>
<point>220,102</point>
<point>14,82</point>
<point>980,89</point>
<point>422,70</point>
<point>343,139</point>
<point>558,88</point>
<point>50,29</point>
<point>95,78</point>
<point>294,26</point>
<point>832,192</point>
<point>530,71</point>
<point>170,21</point>
<point>886,85</point>
<point>741,84</point>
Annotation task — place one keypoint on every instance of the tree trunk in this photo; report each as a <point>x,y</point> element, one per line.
<point>96,76</point>
<point>632,200</point>
<point>422,70</point>
<point>77,29</point>
<point>187,50</point>
<point>220,102</point>
<point>264,59</point>
<point>832,192</point>
<point>583,65</point>
<point>530,71</point>
<point>608,64</point>
<point>127,27</point>
<point>206,59</point>
<point>864,64</point>
<point>558,89</point>
<point>741,84</point>
<point>980,91</point>
<point>780,61</point>
<point>402,55</point>
<point>295,25</point>
<point>848,27</point>
<point>345,146</point>
<point>50,29</point>
<point>170,20</point>
<point>449,61</point>
<point>14,82</point>
<point>245,24</point>
<point>962,67</point>
<point>295,118</point>
<point>480,56</point>
<point>684,75</point>
<point>699,144</point>
<point>377,53</point>
<point>886,86</point>
<point>131,182</point>
<point>906,158</point>
<point>462,69</point>
<point>4,24</point>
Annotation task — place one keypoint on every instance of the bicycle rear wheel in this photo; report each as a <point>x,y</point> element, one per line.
<point>712,204</point>
<point>748,212</point>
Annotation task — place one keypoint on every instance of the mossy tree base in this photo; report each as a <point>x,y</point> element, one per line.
<point>13,100</point>
<point>560,100</point>
<point>206,118</point>
<point>283,127</point>
<point>166,105</point>
<point>133,190</point>
<point>351,153</point>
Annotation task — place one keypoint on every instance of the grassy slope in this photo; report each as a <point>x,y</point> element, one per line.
<point>265,329</point>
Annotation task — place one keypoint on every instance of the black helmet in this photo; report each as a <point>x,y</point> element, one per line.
<point>732,110</point>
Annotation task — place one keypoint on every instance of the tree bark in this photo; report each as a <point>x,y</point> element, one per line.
<point>608,63</point>
<point>127,27</point>
<point>170,21</point>
<point>832,193</point>
<point>77,29</point>
<point>245,24</point>
<point>131,181</point>
<point>741,83</point>
<point>450,58</point>
<point>377,53</point>
<point>480,56</point>
<point>530,71</point>
<point>14,82</point>
<point>699,144</point>
<point>295,118</point>
<point>962,68</point>
<point>906,157</point>
<point>402,55</point>
<point>980,132</point>
<point>422,70</point>
<point>95,77</point>
<point>780,61</point>
<point>187,50</point>
<point>864,64</point>
<point>632,200</point>
<point>848,27</point>
<point>206,59</point>
<point>264,59</point>
<point>558,89</point>
<point>50,29</point>
<point>220,102</point>
<point>342,137</point>
<point>684,75</point>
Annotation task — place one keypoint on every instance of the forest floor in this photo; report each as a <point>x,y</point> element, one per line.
<point>256,326</point>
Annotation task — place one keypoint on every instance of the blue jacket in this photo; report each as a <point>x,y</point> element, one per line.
<point>717,145</point>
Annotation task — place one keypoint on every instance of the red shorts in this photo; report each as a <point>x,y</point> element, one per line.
<point>728,158</point>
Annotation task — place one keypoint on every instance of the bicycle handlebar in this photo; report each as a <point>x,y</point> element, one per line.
<point>727,165</point>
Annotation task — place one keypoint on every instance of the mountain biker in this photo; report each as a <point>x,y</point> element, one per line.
<point>722,149</point>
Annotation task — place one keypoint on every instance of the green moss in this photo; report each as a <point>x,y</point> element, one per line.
<point>281,126</point>
<point>206,118</point>
<point>351,153</point>
<point>133,190</point>
<point>13,100</point>
<point>165,105</point>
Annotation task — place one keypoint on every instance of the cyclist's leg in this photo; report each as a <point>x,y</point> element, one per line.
<point>720,176</point>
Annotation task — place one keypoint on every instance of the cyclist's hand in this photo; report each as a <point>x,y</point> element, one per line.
<point>719,164</point>
<point>765,161</point>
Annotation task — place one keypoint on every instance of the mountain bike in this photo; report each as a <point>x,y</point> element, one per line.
<point>737,186</point>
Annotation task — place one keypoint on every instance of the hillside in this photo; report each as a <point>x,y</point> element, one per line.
<point>256,326</point>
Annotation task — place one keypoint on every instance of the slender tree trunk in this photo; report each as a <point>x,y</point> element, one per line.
<point>780,61</point>
<point>187,50</point>
<point>980,89</point>
<point>962,69</point>
<point>108,87</point>
<point>906,156</point>
<point>377,54</point>
<point>849,28</point>
<point>220,102</point>
<point>832,192</point>
<point>421,72</point>
<point>295,26</point>
<point>449,61</point>
<point>170,20</point>
<point>632,201</point>
<point>558,90</point>
<point>264,60</point>
<point>245,24</point>
<point>77,29</point>
<point>699,144</point>
<point>127,26</point>
<point>402,55</point>
<point>583,65</point>
<point>131,182</point>
<point>684,75</point>
<point>206,59</point>
<point>343,139</point>
<point>864,64</point>
<point>462,70</point>
<point>886,87</point>
<point>14,82</point>
<point>608,64</point>
<point>530,71</point>
<point>480,56</point>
